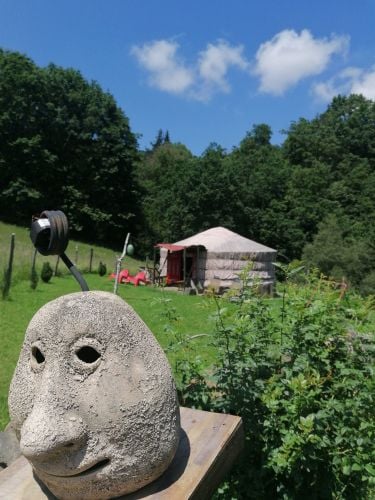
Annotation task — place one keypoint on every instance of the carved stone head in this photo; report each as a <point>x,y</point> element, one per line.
<point>93,398</point>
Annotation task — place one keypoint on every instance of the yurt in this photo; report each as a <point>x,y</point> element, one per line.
<point>216,257</point>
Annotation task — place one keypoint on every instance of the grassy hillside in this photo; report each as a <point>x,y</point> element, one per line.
<point>78,252</point>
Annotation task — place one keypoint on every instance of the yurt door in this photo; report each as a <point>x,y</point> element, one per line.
<point>174,267</point>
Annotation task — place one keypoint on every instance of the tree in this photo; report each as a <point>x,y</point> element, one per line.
<point>257,179</point>
<point>260,135</point>
<point>333,160</point>
<point>345,128</point>
<point>165,177</point>
<point>210,197</point>
<point>158,140</point>
<point>22,152</point>
<point>66,145</point>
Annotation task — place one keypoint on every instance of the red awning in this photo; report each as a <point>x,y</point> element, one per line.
<point>170,247</point>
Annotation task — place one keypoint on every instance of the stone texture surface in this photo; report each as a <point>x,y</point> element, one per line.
<point>93,428</point>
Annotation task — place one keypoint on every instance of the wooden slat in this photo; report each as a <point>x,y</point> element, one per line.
<point>17,482</point>
<point>210,442</point>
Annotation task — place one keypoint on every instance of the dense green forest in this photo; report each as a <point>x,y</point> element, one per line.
<point>66,144</point>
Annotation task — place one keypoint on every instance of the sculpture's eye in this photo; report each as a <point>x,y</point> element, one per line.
<point>87,354</point>
<point>37,359</point>
<point>37,355</point>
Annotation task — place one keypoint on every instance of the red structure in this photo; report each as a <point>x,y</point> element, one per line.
<point>125,277</point>
<point>181,263</point>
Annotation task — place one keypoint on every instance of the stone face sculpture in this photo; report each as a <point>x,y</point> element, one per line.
<point>93,398</point>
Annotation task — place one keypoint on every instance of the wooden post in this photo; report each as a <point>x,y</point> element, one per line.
<point>197,267</point>
<point>57,265</point>
<point>91,256</point>
<point>8,272</point>
<point>154,277</point>
<point>76,259</point>
<point>184,266</point>
<point>33,275</point>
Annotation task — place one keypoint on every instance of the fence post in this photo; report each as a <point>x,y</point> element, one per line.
<point>8,271</point>
<point>33,275</point>
<point>91,256</point>
<point>57,265</point>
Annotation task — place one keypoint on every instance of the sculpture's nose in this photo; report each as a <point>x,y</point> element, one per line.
<point>51,428</point>
<point>43,434</point>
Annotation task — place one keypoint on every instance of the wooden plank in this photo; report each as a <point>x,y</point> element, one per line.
<point>17,482</point>
<point>209,444</point>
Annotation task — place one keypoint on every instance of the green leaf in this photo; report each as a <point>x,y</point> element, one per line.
<point>370,469</point>
<point>346,470</point>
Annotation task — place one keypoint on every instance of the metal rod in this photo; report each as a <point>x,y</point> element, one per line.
<point>72,268</point>
<point>118,263</point>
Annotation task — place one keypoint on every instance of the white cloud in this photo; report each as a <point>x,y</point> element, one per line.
<point>339,84</point>
<point>365,85</point>
<point>207,76</point>
<point>279,63</point>
<point>325,91</point>
<point>349,81</point>
<point>289,57</point>
<point>167,71</point>
<point>215,61</point>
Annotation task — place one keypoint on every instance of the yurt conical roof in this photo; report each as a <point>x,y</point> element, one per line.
<point>219,240</point>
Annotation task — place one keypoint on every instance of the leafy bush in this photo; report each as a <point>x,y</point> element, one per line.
<point>302,380</point>
<point>339,254</point>
<point>47,272</point>
<point>102,269</point>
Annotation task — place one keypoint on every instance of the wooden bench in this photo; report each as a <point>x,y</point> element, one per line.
<point>209,444</point>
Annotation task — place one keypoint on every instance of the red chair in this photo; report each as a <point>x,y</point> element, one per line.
<point>122,277</point>
<point>138,278</point>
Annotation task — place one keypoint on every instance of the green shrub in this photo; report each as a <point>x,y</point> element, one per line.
<point>102,269</point>
<point>47,272</point>
<point>302,381</point>
<point>339,255</point>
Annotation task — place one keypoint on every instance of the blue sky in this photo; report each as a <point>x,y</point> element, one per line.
<point>205,70</point>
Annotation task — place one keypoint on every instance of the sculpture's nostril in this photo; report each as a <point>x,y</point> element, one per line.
<point>69,445</point>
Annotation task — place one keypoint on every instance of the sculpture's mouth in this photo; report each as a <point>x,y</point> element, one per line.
<point>85,472</point>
